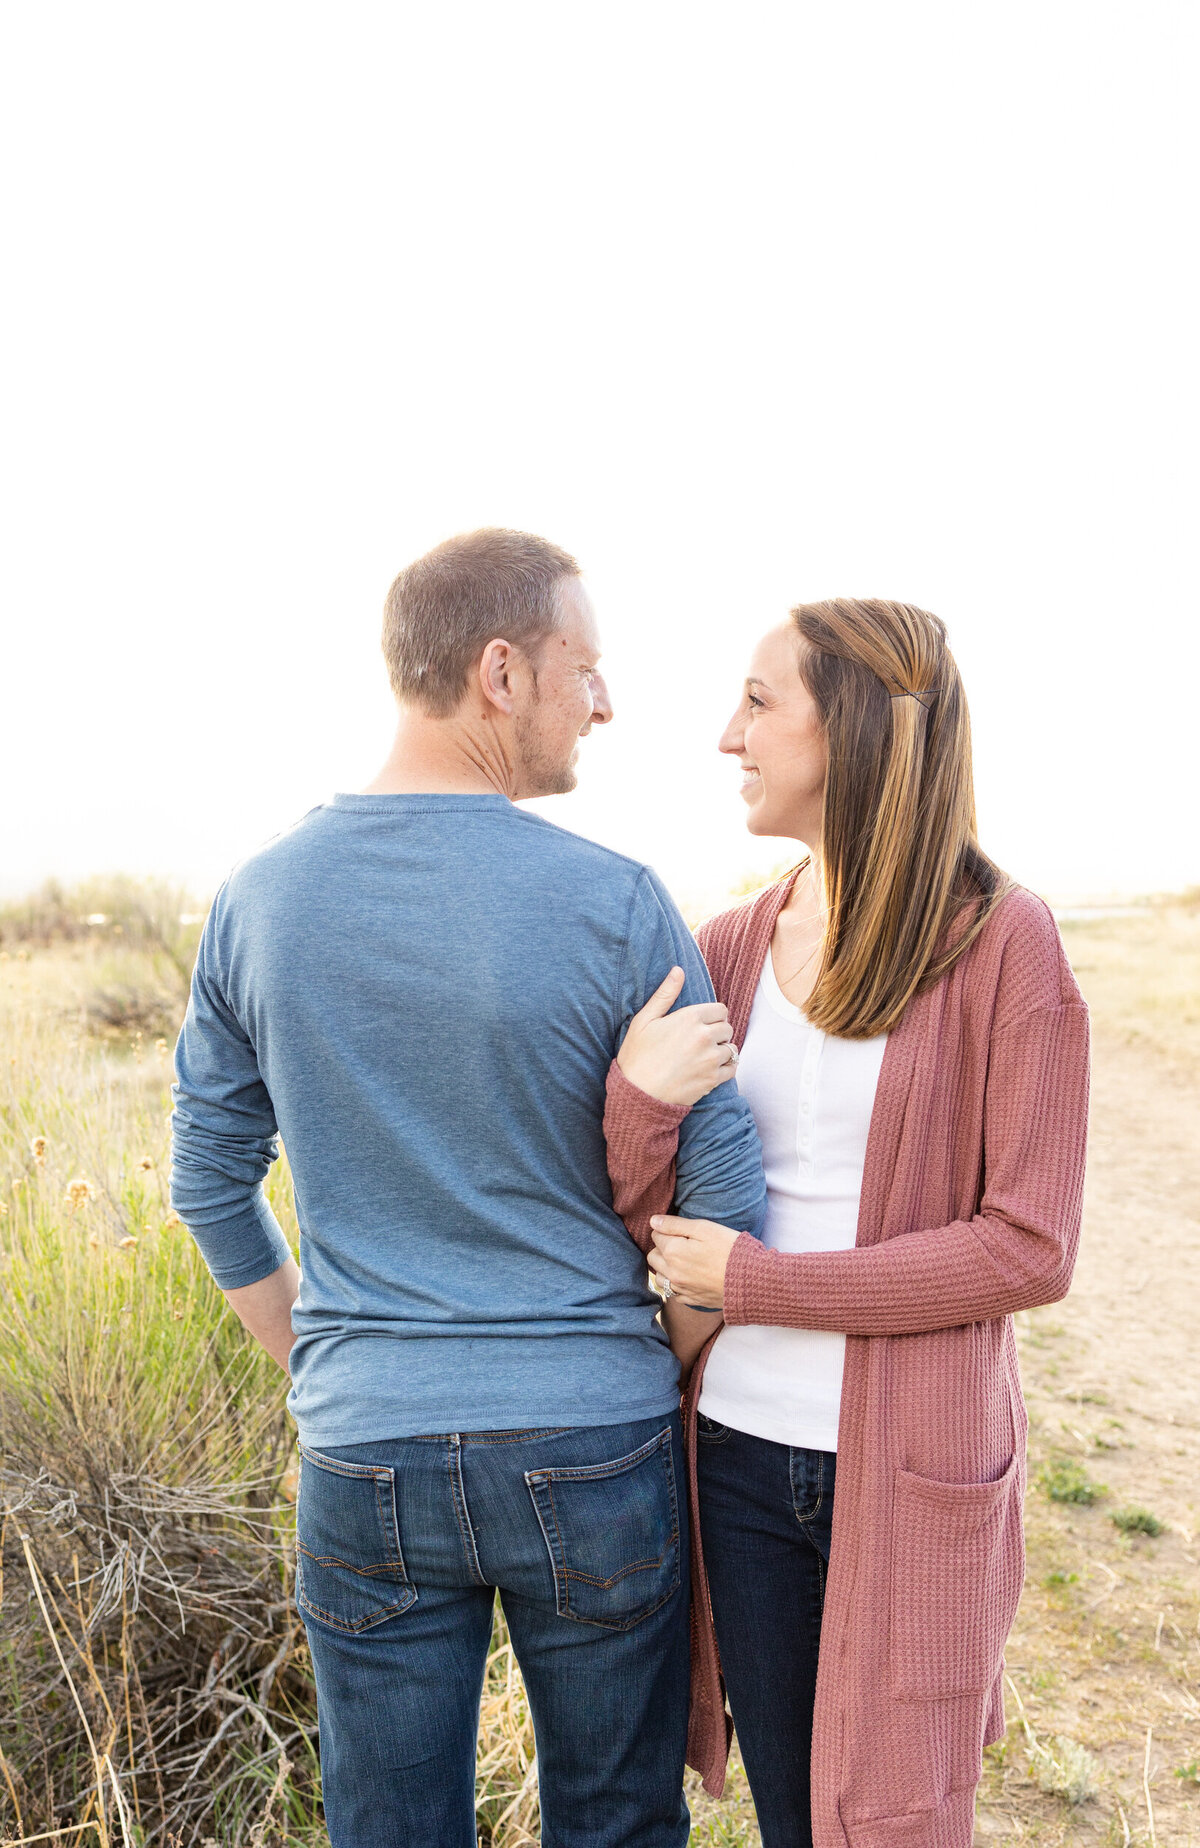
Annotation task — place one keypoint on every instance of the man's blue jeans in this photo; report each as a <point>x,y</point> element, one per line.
<point>400,1548</point>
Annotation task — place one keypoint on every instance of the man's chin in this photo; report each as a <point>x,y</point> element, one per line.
<point>552,783</point>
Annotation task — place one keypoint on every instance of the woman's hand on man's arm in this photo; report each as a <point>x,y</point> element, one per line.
<point>691,1255</point>
<point>678,1057</point>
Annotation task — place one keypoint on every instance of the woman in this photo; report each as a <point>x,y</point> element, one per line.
<point>914,1049</point>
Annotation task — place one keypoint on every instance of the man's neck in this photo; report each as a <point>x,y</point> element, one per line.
<point>440,757</point>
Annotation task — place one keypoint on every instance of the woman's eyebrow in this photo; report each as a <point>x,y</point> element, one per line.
<point>755,682</point>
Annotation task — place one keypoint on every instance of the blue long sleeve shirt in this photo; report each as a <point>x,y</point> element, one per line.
<point>422,994</point>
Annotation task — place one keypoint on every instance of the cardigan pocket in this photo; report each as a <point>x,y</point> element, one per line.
<point>957,1570</point>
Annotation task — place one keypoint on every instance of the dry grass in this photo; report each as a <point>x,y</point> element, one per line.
<point>1141,977</point>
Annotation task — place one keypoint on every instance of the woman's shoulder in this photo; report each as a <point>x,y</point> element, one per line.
<point>721,936</point>
<point>1021,951</point>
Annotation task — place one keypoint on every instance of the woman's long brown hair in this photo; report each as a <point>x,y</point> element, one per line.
<point>907,886</point>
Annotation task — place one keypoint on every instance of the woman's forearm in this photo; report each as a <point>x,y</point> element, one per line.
<point>642,1136</point>
<point>1016,1251</point>
<point>971,1271</point>
<point>687,1330</point>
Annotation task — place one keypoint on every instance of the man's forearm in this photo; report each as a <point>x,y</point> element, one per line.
<point>265,1309</point>
<point>687,1330</point>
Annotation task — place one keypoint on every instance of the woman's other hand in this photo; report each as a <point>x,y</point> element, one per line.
<point>678,1057</point>
<point>691,1255</point>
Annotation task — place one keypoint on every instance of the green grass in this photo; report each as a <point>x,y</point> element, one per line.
<point>1065,1480</point>
<point>1137,1521</point>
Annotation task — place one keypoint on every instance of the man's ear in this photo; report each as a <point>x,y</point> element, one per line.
<point>496,673</point>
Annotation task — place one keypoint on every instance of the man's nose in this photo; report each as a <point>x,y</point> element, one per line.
<point>601,704</point>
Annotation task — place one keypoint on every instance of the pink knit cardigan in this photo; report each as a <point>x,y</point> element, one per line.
<point>971,1199</point>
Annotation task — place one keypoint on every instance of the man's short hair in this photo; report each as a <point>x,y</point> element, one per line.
<point>444,609</point>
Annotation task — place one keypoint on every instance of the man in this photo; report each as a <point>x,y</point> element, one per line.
<point>421,987</point>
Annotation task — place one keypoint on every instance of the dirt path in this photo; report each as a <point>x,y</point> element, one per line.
<point>1107,1643</point>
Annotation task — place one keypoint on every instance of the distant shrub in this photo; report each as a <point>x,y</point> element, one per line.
<point>142,914</point>
<point>1137,1521</point>
<point>1064,1768</point>
<point>1065,1480</point>
<point>128,1008</point>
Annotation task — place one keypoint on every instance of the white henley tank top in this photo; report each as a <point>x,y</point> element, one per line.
<point>812,1097</point>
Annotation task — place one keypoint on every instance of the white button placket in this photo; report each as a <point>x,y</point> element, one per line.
<point>806,1111</point>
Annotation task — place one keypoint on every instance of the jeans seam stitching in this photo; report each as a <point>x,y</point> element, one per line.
<point>338,1468</point>
<point>516,1437</point>
<point>331,1559</point>
<point>628,1623</point>
<point>533,1488</point>
<point>639,1565</point>
<point>351,1628</point>
<point>805,1519</point>
<point>561,1574</point>
<point>599,1472</point>
<point>458,1495</point>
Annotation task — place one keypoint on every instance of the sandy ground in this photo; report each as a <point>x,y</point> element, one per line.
<point>1107,1644</point>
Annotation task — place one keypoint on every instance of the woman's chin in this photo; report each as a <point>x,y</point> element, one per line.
<point>760,820</point>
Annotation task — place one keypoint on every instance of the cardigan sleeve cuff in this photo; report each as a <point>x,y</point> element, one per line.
<point>747,1281</point>
<point>627,1106</point>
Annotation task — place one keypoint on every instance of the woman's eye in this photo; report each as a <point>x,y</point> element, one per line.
<point>752,700</point>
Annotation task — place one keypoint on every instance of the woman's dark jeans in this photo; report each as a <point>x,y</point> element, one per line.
<point>766,1512</point>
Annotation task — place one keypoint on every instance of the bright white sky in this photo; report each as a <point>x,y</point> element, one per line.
<point>742,305</point>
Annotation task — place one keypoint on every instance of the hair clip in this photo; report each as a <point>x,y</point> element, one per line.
<point>924,694</point>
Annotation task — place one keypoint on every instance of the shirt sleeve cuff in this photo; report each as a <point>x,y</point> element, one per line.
<point>747,1281</point>
<point>243,1249</point>
<point>634,1106</point>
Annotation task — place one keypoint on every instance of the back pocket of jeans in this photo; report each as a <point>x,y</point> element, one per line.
<point>349,1568</point>
<point>612,1532</point>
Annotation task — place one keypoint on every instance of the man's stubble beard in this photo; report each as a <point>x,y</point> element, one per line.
<point>541,773</point>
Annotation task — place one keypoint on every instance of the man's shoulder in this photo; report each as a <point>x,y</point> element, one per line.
<point>300,851</point>
<point>274,860</point>
<point>604,864</point>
